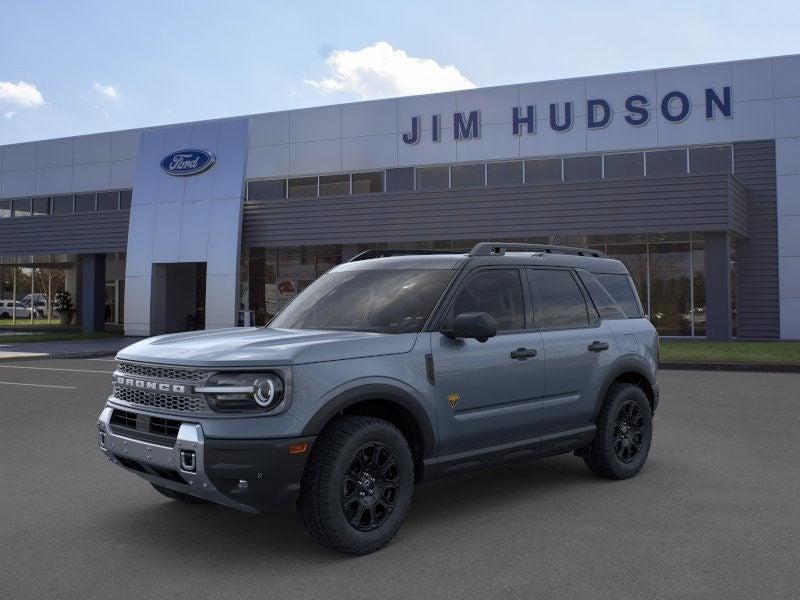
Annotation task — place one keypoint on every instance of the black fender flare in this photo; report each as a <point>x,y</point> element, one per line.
<point>375,391</point>
<point>625,364</point>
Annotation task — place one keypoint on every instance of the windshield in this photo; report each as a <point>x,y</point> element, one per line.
<point>381,301</point>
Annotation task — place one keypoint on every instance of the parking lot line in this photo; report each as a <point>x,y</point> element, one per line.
<point>55,369</point>
<point>63,387</point>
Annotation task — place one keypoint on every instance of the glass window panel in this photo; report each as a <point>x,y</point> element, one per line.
<point>630,164</point>
<point>497,292</point>
<point>303,187</point>
<point>108,201</point>
<point>606,305</point>
<point>84,202</point>
<point>468,175</point>
<point>634,257</point>
<point>5,209</point>
<point>580,168</point>
<point>670,288</point>
<point>666,162</point>
<point>433,178</point>
<point>62,205</point>
<point>699,284</point>
<point>41,206</point>
<point>368,183</point>
<point>714,159</point>
<point>328,257</point>
<point>560,300</point>
<point>400,180</point>
<point>125,199</point>
<point>543,171</point>
<point>504,173</point>
<point>296,270</point>
<point>334,185</point>
<point>621,290</point>
<point>271,189</point>
<point>22,207</point>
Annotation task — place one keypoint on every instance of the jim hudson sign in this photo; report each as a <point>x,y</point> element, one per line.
<point>674,106</point>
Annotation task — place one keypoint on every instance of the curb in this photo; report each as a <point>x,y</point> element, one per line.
<point>59,355</point>
<point>724,366</point>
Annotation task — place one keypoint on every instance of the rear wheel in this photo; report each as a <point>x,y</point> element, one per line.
<point>624,433</point>
<point>176,495</point>
<point>357,487</point>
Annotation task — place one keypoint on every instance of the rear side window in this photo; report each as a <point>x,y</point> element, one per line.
<point>497,292</point>
<point>603,302</point>
<point>621,289</point>
<point>561,303</point>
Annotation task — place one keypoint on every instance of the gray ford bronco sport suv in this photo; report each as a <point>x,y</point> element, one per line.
<point>391,369</point>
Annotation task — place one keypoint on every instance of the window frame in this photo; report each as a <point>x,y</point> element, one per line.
<point>439,321</point>
<point>593,318</point>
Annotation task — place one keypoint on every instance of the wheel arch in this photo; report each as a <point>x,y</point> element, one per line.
<point>629,370</point>
<point>388,402</point>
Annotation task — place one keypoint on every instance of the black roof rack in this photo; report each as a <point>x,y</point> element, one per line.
<point>489,248</point>
<point>378,253</point>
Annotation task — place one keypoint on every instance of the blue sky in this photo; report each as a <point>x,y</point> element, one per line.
<point>69,68</point>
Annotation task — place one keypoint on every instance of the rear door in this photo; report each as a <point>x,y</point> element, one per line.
<point>578,348</point>
<point>487,393</point>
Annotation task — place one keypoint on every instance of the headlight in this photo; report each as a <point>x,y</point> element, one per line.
<point>239,392</point>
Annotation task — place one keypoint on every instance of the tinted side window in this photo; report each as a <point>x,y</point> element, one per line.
<point>497,292</point>
<point>621,290</point>
<point>561,303</point>
<point>605,304</point>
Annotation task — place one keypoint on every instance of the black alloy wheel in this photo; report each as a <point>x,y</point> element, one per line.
<point>628,431</point>
<point>370,486</point>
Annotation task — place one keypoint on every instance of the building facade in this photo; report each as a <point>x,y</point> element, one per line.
<point>690,176</point>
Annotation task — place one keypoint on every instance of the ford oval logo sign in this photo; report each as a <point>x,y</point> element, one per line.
<point>187,162</point>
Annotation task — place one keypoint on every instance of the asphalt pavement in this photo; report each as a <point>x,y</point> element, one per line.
<point>714,514</point>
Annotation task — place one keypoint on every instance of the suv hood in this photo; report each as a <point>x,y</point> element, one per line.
<point>258,346</point>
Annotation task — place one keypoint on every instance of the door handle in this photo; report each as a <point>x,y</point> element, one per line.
<point>596,346</point>
<point>523,353</point>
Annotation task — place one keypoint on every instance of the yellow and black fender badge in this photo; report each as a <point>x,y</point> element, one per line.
<point>453,399</point>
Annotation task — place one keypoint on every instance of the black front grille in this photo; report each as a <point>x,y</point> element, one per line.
<point>155,430</point>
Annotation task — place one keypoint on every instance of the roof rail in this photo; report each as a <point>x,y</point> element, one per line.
<point>489,248</point>
<point>378,253</point>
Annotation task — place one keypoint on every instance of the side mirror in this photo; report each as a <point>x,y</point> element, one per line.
<point>472,325</point>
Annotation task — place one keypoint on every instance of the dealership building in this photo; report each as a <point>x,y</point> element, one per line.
<point>688,175</point>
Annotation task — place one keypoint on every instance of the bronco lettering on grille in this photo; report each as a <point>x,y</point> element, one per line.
<point>143,384</point>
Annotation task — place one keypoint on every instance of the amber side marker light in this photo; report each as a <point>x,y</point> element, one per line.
<point>298,448</point>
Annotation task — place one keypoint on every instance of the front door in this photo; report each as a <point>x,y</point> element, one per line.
<point>487,393</point>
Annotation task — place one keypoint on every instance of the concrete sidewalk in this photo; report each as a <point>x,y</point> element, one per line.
<point>66,349</point>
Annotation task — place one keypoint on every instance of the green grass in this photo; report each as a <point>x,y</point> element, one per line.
<point>730,352</point>
<point>53,336</point>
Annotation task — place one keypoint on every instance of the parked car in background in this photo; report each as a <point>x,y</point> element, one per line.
<point>14,308</point>
<point>39,305</point>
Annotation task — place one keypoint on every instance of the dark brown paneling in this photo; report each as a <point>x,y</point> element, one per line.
<point>56,234</point>
<point>640,205</point>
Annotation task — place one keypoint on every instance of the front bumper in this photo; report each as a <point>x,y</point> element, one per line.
<point>252,475</point>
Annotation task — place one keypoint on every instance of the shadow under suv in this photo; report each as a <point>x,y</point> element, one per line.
<point>391,369</point>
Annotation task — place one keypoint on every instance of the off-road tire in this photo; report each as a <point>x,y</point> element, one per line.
<point>603,457</point>
<point>328,482</point>
<point>175,495</point>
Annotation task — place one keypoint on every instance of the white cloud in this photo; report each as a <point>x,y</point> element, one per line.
<point>20,93</point>
<point>109,91</point>
<point>10,114</point>
<point>380,71</point>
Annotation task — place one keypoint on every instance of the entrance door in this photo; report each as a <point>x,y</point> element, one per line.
<point>179,292</point>
<point>487,393</point>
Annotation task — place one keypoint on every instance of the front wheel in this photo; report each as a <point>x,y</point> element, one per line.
<point>357,487</point>
<point>624,433</point>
